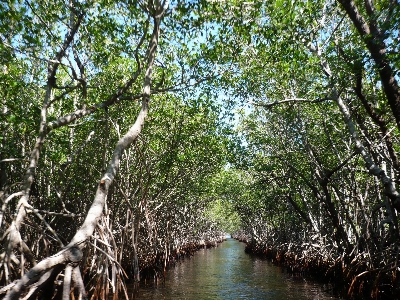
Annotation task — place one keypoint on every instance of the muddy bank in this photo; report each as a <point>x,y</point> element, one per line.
<point>350,276</point>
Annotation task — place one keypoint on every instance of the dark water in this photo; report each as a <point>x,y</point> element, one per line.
<point>227,272</point>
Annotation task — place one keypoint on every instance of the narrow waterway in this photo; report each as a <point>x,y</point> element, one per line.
<point>227,272</point>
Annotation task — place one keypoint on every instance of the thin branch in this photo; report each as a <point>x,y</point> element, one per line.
<point>110,258</point>
<point>115,98</point>
<point>10,160</point>
<point>66,92</point>
<point>268,105</point>
<point>333,31</point>
<point>51,213</point>
<point>68,40</point>
<point>124,195</point>
<point>341,165</point>
<point>4,206</point>
<point>45,223</point>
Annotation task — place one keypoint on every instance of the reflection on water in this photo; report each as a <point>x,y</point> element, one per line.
<point>227,272</point>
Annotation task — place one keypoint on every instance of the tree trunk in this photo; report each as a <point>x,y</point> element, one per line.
<point>72,253</point>
<point>374,40</point>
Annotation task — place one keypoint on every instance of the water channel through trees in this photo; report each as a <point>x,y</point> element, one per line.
<point>227,272</point>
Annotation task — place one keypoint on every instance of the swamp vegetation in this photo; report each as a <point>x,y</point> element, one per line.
<point>135,132</point>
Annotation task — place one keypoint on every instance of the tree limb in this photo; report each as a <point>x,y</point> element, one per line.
<point>289,100</point>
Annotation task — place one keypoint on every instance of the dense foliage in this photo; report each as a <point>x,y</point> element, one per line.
<point>133,131</point>
<point>323,140</point>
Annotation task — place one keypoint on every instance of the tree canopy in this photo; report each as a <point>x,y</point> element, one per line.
<point>132,131</point>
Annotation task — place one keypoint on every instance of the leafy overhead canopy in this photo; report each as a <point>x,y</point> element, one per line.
<point>277,118</point>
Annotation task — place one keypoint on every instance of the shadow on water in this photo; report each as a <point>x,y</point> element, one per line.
<point>227,272</point>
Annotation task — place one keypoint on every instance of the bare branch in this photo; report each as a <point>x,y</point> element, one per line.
<point>67,41</point>
<point>10,160</point>
<point>268,105</point>
<point>110,258</point>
